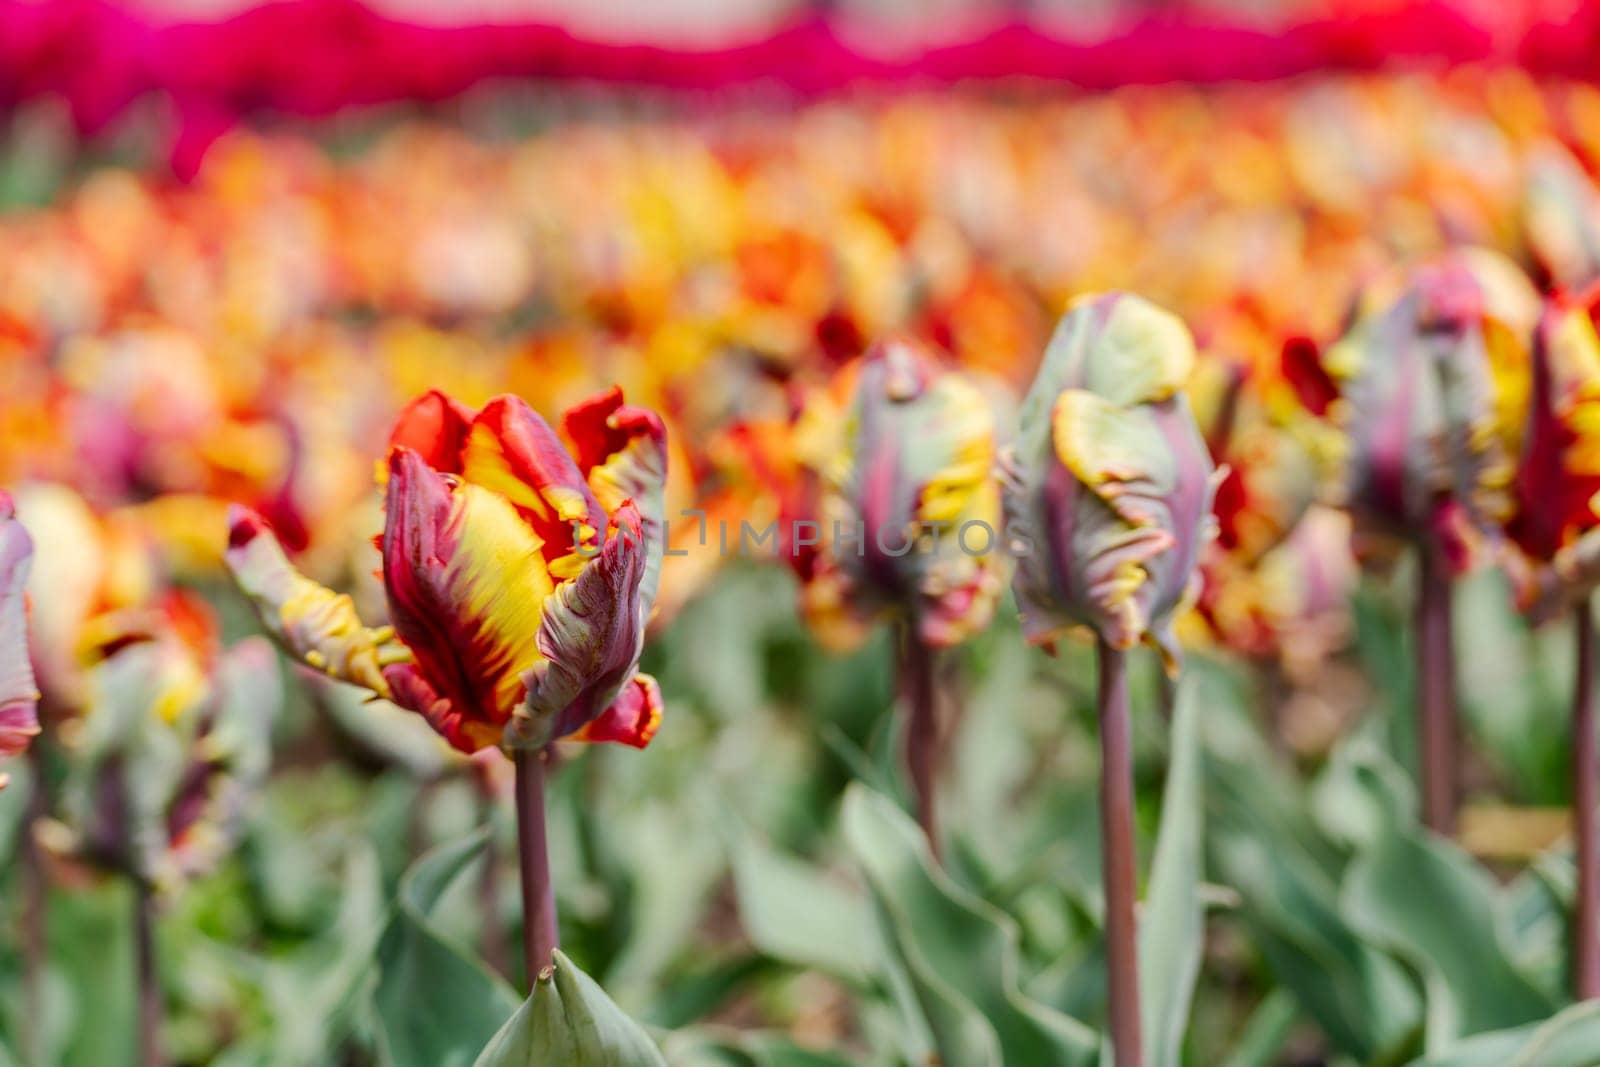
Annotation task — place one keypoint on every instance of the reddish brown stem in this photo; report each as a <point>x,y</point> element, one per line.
<point>1436,691</point>
<point>539,939</point>
<point>151,1053</point>
<point>922,732</point>
<point>493,933</point>
<point>34,917</point>
<point>1586,938</point>
<point>1118,859</point>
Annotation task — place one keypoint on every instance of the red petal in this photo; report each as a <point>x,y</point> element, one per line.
<point>419,538</point>
<point>435,427</point>
<point>603,425</point>
<point>1302,368</point>
<point>632,719</point>
<point>514,452</point>
<point>590,636</point>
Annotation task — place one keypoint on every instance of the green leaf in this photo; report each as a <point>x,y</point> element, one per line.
<point>720,1047</point>
<point>1566,1040</point>
<point>1268,848</point>
<point>1172,922</point>
<point>437,1004</point>
<point>1425,898</point>
<point>569,1020</point>
<point>959,952</point>
<point>795,913</point>
<point>1265,1032</point>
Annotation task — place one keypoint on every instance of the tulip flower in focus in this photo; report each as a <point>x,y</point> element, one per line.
<point>901,452</point>
<point>19,696</point>
<point>1108,497</point>
<point>519,578</point>
<point>1426,385</point>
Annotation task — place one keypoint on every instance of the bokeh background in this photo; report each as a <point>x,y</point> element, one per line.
<point>235,238</point>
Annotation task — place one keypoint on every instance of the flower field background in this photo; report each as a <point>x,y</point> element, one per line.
<point>1328,468</point>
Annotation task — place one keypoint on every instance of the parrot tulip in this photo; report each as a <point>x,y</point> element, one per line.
<point>1424,385</point>
<point>1108,498</point>
<point>519,577</point>
<point>901,454</point>
<point>1108,490</point>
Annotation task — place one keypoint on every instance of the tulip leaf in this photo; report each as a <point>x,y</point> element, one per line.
<point>1265,1032</point>
<point>1172,922</point>
<point>713,1048</point>
<point>436,1003</point>
<point>959,952</point>
<point>569,1020</point>
<point>1285,871</point>
<point>795,913</point>
<point>1568,1039</point>
<point>1424,898</point>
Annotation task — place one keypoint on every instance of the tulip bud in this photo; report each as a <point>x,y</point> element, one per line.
<point>19,696</point>
<point>172,745</point>
<point>1425,385</point>
<point>1108,489</point>
<point>903,451</point>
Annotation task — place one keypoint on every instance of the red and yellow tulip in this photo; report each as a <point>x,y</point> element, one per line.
<point>519,575</point>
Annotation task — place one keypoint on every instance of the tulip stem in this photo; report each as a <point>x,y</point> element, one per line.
<point>922,732</point>
<point>1117,855</point>
<point>492,933</point>
<point>1586,948</point>
<point>533,849</point>
<point>1436,712</point>
<point>151,1053</point>
<point>35,917</point>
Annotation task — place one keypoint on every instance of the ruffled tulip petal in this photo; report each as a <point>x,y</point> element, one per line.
<point>436,428</point>
<point>313,623</point>
<point>19,695</point>
<point>632,719</point>
<point>1115,451</point>
<point>1142,353</point>
<point>514,453</point>
<point>412,691</point>
<point>1108,489</point>
<point>622,452</point>
<point>590,640</point>
<point>466,582</point>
